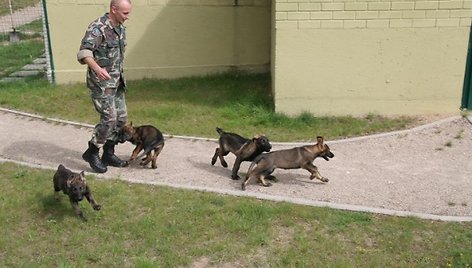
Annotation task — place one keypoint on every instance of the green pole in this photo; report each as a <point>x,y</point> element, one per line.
<point>48,41</point>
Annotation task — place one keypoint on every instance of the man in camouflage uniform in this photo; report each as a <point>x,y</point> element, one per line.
<point>102,49</point>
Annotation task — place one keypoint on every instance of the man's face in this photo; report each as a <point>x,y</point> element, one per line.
<point>120,12</point>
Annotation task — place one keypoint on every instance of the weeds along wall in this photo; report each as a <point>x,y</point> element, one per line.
<point>356,57</point>
<point>168,38</point>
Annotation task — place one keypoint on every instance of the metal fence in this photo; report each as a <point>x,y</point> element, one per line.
<point>22,20</point>
<point>20,16</point>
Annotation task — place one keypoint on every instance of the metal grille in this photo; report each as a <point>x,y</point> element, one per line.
<point>20,21</point>
<point>19,15</point>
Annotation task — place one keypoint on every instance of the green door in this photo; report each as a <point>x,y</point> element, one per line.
<point>467,91</point>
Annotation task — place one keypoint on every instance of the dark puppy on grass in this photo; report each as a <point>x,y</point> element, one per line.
<point>244,149</point>
<point>147,138</point>
<point>74,185</point>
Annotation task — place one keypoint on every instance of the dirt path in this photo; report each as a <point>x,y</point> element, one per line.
<point>424,172</point>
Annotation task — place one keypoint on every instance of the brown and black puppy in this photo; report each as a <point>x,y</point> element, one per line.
<point>74,185</point>
<point>244,149</point>
<point>298,157</point>
<point>147,138</point>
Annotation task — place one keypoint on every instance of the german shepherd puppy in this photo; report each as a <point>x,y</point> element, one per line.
<point>74,185</point>
<point>298,157</point>
<point>244,149</point>
<point>147,138</point>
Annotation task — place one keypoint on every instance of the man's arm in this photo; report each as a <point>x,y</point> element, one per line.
<point>101,73</point>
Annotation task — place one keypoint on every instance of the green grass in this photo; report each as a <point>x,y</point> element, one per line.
<point>15,55</point>
<point>32,30</point>
<point>16,4</point>
<point>238,103</point>
<point>151,226</point>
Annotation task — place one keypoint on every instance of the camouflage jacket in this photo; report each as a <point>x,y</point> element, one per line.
<point>106,44</point>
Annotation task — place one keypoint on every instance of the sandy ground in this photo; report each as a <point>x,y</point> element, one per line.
<point>423,171</point>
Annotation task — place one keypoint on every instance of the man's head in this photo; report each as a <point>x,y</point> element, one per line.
<point>119,11</point>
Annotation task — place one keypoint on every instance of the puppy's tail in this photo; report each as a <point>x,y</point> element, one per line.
<point>219,130</point>
<point>150,147</point>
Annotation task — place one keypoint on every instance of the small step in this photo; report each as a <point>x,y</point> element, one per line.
<point>37,67</point>
<point>40,61</point>
<point>11,79</point>
<point>25,73</point>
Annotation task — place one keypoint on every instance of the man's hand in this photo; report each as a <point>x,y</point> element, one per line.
<point>101,73</point>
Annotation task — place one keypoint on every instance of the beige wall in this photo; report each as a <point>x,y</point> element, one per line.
<point>328,57</point>
<point>359,57</point>
<point>169,38</point>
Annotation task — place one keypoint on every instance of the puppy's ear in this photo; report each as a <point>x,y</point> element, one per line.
<point>82,175</point>
<point>320,141</point>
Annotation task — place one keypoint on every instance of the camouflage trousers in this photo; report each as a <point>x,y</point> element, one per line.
<point>110,103</point>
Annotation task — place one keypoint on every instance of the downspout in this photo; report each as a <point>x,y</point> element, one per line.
<point>47,45</point>
<point>236,35</point>
<point>466,90</point>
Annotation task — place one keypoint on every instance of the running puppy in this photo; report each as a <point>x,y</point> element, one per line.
<point>74,185</point>
<point>244,149</point>
<point>147,138</point>
<point>298,157</point>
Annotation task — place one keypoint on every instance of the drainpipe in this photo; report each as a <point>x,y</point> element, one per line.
<point>236,35</point>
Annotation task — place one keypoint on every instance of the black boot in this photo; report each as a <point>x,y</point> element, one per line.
<point>91,156</point>
<point>109,158</point>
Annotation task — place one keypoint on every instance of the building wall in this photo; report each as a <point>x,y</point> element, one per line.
<point>338,57</point>
<point>169,38</point>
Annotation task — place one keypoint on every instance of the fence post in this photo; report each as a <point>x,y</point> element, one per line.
<point>47,45</point>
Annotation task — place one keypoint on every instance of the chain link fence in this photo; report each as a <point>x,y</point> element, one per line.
<point>24,44</point>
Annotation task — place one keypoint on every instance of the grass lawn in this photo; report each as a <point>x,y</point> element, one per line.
<point>194,106</point>
<point>16,55</point>
<point>15,4</point>
<point>151,226</point>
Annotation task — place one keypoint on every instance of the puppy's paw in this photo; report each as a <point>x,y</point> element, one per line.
<point>82,217</point>
<point>267,184</point>
<point>224,164</point>
<point>323,179</point>
<point>97,207</point>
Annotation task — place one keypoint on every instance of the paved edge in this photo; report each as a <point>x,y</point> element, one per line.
<point>276,198</point>
<point>373,136</point>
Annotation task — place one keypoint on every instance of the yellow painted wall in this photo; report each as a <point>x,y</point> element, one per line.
<point>328,57</point>
<point>168,38</point>
<point>360,57</point>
